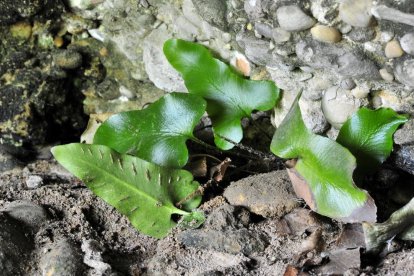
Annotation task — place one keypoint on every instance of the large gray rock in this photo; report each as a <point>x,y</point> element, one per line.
<point>14,247</point>
<point>403,158</point>
<point>405,135</point>
<point>386,13</point>
<point>29,213</point>
<point>345,61</point>
<point>404,71</point>
<point>159,70</point>
<point>225,231</point>
<point>356,12</point>
<point>268,195</point>
<point>63,258</point>
<point>212,11</point>
<point>338,105</point>
<point>407,43</point>
<point>256,50</point>
<point>292,18</point>
<point>8,161</point>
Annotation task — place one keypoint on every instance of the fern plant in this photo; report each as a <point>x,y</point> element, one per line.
<point>135,161</point>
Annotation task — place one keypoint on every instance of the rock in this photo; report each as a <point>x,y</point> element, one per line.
<point>8,162</point>
<point>404,72</point>
<point>174,260</point>
<point>385,13</point>
<point>84,4</point>
<point>405,135</point>
<point>313,116</point>
<point>326,34</point>
<point>67,59</point>
<point>93,257</point>
<point>360,92</point>
<point>212,11</point>
<point>338,105</point>
<point>21,30</point>
<point>159,70</point>
<point>62,258</point>
<point>356,12</point>
<point>386,36</point>
<point>347,84</point>
<point>268,195</point>
<point>233,242</point>
<point>280,36</point>
<point>325,11</point>
<point>264,29</point>
<point>407,43</point>
<point>403,158</point>
<point>256,50</point>
<point>254,9</point>
<point>341,261</point>
<point>301,220</point>
<point>228,216</point>
<point>361,34</point>
<point>292,18</point>
<point>34,181</point>
<point>27,212</point>
<point>315,88</point>
<point>392,99</point>
<point>344,61</point>
<point>393,49</point>
<point>14,247</point>
<point>224,231</point>
<point>386,75</point>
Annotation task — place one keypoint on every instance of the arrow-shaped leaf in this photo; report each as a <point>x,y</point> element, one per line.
<point>229,96</point>
<point>144,192</point>
<point>156,134</point>
<point>323,171</point>
<point>368,135</point>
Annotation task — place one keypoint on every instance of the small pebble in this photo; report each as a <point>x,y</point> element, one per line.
<point>386,36</point>
<point>360,92</point>
<point>393,49</point>
<point>263,29</point>
<point>356,12</point>
<point>292,18</point>
<point>387,76</point>
<point>279,35</point>
<point>58,41</point>
<point>326,34</point>
<point>21,30</point>
<point>407,43</point>
<point>29,213</point>
<point>34,181</point>
<point>63,258</point>
<point>347,84</point>
<point>67,59</point>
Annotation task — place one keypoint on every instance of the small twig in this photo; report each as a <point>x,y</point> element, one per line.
<point>250,150</point>
<point>198,192</point>
<point>205,155</point>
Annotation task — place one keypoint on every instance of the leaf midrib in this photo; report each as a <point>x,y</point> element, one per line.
<point>172,210</point>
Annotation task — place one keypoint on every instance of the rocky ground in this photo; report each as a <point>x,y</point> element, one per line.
<point>61,61</point>
<point>53,225</point>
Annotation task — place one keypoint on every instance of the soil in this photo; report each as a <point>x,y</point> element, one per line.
<point>233,241</point>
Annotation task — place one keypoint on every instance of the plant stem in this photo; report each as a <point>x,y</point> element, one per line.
<point>198,192</point>
<point>250,150</point>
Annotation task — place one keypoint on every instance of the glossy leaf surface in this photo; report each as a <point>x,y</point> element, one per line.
<point>322,172</point>
<point>229,96</point>
<point>368,135</point>
<point>144,192</point>
<point>158,133</point>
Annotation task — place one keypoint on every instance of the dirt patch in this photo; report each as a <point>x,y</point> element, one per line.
<point>68,225</point>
